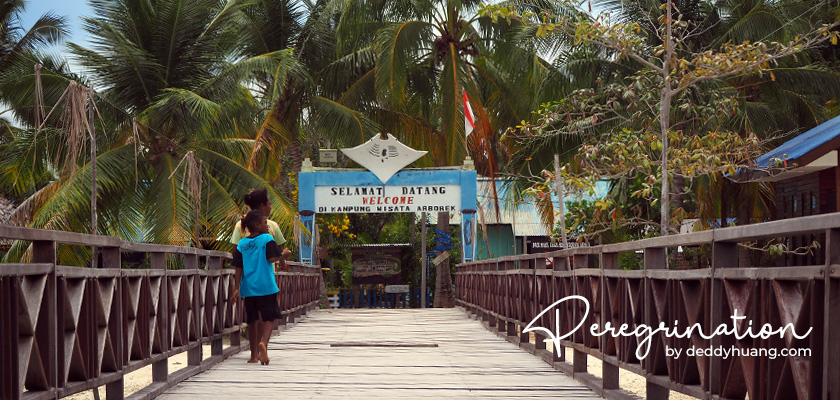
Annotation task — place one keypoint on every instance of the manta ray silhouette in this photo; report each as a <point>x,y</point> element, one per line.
<point>383,157</point>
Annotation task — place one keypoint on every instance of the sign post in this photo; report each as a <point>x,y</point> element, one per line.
<point>423,258</point>
<point>386,187</point>
<point>410,190</point>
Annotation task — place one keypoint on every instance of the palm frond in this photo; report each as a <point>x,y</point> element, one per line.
<point>341,123</point>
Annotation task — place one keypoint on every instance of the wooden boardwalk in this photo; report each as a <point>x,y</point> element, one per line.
<point>381,353</point>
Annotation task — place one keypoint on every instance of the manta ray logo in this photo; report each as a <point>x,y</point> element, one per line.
<point>385,153</point>
<point>383,157</point>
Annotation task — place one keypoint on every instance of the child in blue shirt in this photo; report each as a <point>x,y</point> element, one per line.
<point>253,259</point>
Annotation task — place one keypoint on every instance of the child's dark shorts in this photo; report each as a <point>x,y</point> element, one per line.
<point>262,306</point>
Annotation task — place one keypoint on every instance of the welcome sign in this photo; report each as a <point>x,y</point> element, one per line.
<point>387,199</point>
<point>386,187</point>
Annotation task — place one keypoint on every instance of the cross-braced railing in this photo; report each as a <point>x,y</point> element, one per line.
<point>68,329</point>
<point>508,293</point>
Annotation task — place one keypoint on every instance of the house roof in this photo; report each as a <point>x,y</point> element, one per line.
<point>803,144</point>
<point>523,217</point>
<point>812,151</point>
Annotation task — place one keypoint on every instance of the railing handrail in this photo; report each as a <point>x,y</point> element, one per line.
<point>508,293</point>
<point>56,320</point>
<point>86,239</point>
<point>764,230</point>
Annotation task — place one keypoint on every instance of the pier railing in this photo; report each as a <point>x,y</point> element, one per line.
<point>65,329</point>
<point>508,293</point>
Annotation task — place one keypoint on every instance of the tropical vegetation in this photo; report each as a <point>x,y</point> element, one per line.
<point>191,103</point>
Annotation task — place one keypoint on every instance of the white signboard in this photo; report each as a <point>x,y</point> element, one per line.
<point>388,199</point>
<point>396,289</point>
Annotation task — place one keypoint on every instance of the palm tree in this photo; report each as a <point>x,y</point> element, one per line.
<point>412,62</point>
<point>19,51</point>
<point>303,102</point>
<point>178,127</point>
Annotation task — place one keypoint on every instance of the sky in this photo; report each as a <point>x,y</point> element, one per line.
<point>72,9</point>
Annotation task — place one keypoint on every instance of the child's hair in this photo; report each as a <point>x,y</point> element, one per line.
<point>256,198</point>
<point>251,219</point>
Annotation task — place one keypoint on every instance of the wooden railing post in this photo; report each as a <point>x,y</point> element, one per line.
<point>195,354</point>
<point>527,280</point>
<point>46,332</point>
<point>111,259</point>
<point>559,264</point>
<point>542,286</point>
<point>831,329</point>
<point>655,258</point>
<point>10,372</point>
<point>724,255</point>
<point>215,264</point>
<point>609,371</point>
<point>579,358</point>
<point>160,369</point>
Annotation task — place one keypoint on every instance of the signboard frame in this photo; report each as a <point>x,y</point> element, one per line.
<point>310,178</point>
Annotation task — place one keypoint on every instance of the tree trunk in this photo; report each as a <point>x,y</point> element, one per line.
<point>323,299</point>
<point>443,278</point>
<point>678,199</point>
<point>665,122</point>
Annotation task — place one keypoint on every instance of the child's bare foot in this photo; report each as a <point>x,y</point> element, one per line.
<point>263,353</point>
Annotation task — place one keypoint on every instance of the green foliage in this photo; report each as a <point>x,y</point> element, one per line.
<point>687,97</point>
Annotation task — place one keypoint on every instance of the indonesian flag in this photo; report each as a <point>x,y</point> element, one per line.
<point>469,121</point>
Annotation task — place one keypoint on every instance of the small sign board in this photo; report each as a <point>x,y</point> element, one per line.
<point>328,156</point>
<point>376,266</point>
<point>396,289</point>
<point>440,258</point>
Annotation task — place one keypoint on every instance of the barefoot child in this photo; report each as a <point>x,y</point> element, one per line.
<point>257,199</point>
<point>253,260</point>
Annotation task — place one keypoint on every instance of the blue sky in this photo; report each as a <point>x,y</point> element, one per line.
<point>72,9</point>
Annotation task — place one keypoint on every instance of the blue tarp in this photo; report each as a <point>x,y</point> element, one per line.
<point>802,144</point>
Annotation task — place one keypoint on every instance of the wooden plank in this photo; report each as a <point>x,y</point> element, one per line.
<point>782,273</point>
<point>786,227</point>
<point>308,361</point>
<point>624,273</point>
<point>32,234</point>
<point>680,275</point>
<point>81,272</point>
<point>163,248</point>
<point>24,269</point>
<point>685,239</point>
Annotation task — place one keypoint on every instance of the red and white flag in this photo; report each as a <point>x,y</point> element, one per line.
<point>469,121</point>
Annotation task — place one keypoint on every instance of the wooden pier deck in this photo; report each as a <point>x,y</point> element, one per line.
<point>381,353</point>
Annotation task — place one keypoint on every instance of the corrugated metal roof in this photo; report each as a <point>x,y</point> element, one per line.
<point>802,144</point>
<point>524,218</point>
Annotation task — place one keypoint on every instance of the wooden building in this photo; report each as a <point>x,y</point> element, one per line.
<point>806,175</point>
<point>805,172</point>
